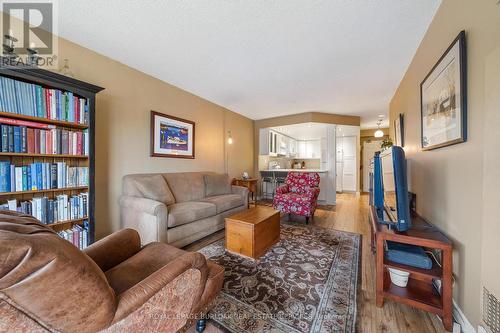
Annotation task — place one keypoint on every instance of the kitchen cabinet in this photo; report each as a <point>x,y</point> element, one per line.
<point>301,145</point>
<point>282,145</point>
<point>292,147</point>
<point>309,149</point>
<point>268,142</point>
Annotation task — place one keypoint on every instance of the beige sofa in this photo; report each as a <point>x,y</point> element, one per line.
<point>179,208</point>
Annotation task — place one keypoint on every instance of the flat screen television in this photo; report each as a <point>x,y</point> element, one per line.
<point>390,188</point>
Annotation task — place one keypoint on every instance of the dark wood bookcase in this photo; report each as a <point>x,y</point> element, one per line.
<point>52,80</point>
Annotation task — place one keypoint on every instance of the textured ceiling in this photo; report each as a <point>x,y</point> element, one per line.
<point>261,58</point>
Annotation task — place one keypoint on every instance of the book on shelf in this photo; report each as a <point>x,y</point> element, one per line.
<point>52,210</point>
<point>78,235</point>
<point>27,123</point>
<point>33,100</point>
<point>36,140</point>
<point>40,176</point>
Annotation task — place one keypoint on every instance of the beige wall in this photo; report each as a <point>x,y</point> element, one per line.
<point>449,181</point>
<point>123,121</point>
<point>490,253</point>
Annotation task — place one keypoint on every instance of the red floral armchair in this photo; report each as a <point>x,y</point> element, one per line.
<point>299,195</point>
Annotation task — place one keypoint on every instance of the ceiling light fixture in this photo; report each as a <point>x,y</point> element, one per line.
<point>379,133</point>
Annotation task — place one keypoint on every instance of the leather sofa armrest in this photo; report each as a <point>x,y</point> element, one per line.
<point>114,249</point>
<point>133,298</point>
<point>144,205</point>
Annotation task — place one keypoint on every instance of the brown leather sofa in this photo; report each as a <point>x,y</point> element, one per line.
<point>47,284</point>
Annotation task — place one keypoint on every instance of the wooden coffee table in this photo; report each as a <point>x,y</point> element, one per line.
<point>252,232</point>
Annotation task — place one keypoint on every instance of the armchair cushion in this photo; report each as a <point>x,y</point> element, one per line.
<point>297,182</point>
<point>151,258</point>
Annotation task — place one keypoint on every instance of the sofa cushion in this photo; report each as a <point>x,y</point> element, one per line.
<point>226,201</point>
<point>155,187</point>
<point>186,186</point>
<point>186,212</point>
<point>217,185</point>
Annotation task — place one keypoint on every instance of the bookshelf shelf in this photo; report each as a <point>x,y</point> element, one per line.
<point>43,120</point>
<point>44,191</point>
<point>44,155</point>
<point>67,222</point>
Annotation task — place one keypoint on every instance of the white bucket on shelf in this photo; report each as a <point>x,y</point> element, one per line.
<point>399,278</point>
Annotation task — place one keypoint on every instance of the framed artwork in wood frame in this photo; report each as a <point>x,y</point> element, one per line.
<point>443,100</point>
<point>171,136</point>
<point>399,129</point>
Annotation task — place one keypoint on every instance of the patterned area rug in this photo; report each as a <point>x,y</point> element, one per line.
<point>307,282</point>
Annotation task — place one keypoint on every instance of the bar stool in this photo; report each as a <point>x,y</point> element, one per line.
<point>279,179</point>
<point>267,178</point>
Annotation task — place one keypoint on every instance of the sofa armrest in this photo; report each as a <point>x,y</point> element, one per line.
<point>190,268</point>
<point>241,190</point>
<point>114,249</point>
<point>144,205</point>
<point>148,217</point>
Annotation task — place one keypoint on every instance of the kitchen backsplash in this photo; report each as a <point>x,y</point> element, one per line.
<point>268,162</point>
<point>310,163</point>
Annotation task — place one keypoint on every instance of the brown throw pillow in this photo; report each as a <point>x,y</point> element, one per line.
<point>217,185</point>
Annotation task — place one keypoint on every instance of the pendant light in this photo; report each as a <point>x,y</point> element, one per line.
<point>379,133</point>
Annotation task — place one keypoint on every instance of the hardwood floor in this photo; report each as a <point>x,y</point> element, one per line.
<point>351,214</point>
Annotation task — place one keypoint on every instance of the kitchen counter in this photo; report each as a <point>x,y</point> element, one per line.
<point>298,170</point>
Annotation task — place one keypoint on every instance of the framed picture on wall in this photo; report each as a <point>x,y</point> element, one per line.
<point>444,99</point>
<point>399,130</point>
<point>171,136</point>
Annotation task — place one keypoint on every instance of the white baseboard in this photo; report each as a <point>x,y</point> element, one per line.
<point>460,318</point>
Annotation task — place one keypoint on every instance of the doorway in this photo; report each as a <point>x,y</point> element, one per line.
<point>346,164</point>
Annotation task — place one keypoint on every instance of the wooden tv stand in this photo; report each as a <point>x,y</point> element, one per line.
<point>419,292</point>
